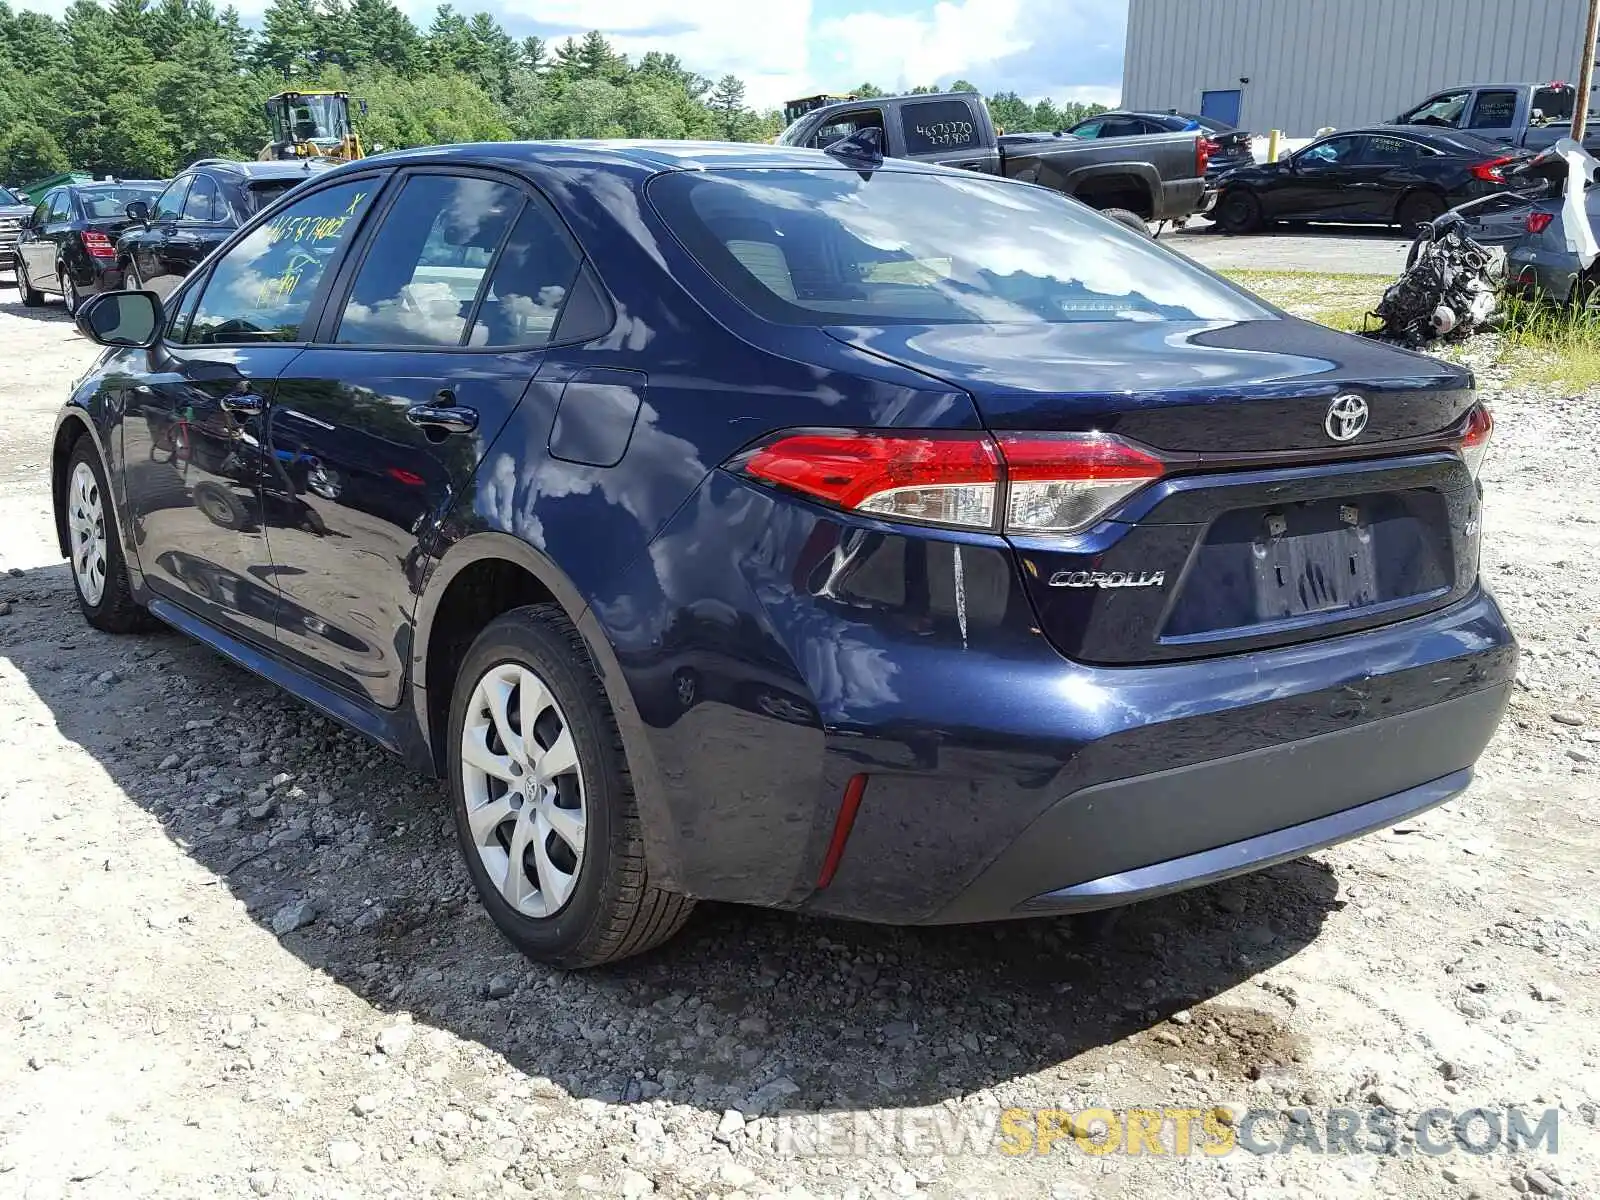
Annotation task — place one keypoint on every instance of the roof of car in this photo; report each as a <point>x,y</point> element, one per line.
<point>298,168</point>
<point>622,154</point>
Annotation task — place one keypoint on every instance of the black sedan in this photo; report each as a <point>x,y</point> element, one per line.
<point>196,213</point>
<point>1365,176</point>
<point>67,245</point>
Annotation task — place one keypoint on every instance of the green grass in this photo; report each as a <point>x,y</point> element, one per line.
<point>1540,343</point>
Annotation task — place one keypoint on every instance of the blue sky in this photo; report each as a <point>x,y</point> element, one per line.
<point>1065,49</point>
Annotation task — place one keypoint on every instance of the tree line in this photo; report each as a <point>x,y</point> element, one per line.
<point>142,88</point>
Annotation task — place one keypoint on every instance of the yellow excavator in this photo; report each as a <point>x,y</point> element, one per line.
<point>311,125</point>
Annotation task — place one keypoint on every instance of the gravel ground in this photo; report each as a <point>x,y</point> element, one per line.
<point>1329,249</point>
<point>238,957</point>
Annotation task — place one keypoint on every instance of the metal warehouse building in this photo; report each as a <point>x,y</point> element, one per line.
<point>1299,65</point>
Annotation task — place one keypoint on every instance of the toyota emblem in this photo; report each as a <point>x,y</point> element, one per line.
<point>1347,417</point>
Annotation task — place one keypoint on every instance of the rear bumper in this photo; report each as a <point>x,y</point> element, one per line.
<point>1132,839</point>
<point>1183,198</point>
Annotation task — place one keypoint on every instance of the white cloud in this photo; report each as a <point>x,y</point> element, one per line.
<point>902,51</point>
<point>766,46</point>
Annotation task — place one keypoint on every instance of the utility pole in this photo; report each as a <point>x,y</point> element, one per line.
<point>1580,107</point>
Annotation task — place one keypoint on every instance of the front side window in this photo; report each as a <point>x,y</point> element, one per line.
<point>938,125</point>
<point>261,289</point>
<point>170,206</point>
<point>1331,153</point>
<point>1445,111</point>
<point>825,247</point>
<point>421,277</point>
<point>846,124</point>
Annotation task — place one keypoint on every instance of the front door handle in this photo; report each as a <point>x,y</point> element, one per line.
<point>447,418</point>
<point>242,402</point>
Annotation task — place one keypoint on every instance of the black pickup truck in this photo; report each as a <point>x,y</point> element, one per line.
<point>1160,177</point>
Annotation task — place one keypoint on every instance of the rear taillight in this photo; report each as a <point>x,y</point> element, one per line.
<point>1493,170</point>
<point>98,245</point>
<point>1538,222</point>
<point>1475,442</point>
<point>1020,483</point>
<point>1204,148</point>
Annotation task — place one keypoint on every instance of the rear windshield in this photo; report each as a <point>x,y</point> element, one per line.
<point>106,203</point>
<point>268,190</point>
<point>826,247</point>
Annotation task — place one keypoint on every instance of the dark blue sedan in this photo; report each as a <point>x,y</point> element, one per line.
<point>860,538</point>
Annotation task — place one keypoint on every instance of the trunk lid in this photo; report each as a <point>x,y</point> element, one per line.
<point>1266,530</point>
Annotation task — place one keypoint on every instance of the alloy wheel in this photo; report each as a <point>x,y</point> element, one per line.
<point>524,790</point>
<point>69,294</point>
<point>86,516</point>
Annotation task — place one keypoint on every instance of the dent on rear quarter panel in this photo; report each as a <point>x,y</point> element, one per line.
<point>715,380</point>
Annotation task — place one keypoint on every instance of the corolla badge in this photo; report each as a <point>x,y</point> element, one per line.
<point>1347,417</point>
<point>1108,579</point>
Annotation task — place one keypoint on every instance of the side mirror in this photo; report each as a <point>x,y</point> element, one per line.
<point>121,318</point>
<point>138,210</point>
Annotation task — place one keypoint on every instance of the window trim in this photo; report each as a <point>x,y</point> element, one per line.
<point>326,330</point>
<point>315,311</point>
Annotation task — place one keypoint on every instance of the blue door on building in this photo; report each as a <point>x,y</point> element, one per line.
<point>1221,106</point>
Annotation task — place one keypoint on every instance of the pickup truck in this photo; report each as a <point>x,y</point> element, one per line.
<point>1159,177</point>
<point>1530,115</point>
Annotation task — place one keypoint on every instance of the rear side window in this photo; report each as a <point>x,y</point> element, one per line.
<point>261,289</point>
<point>204,202</point>
<point>61,206</point>
<point>419,282</point>
<point>530,283</point>
<point>1555,103</point>
<point>938,125</point>
<point>1494,110</point>
<point>1390,151</point>
<point>825,247</point>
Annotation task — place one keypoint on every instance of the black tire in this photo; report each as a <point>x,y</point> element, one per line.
<point>69,293</point>
<point>613,910</point>
<point>1417,210</point>
<point>32,297</point>
<point>116,611</point>
<point>1132,220</point>
<point>1238,211</point>
<point>220,506</point>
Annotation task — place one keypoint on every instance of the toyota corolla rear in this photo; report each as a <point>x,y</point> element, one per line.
<point>1188,587</point>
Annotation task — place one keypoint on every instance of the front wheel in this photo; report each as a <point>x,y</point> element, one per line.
<point>99,573</point>
<point>1239,212</point>
<point>32,297</point>
<point>543,801</point>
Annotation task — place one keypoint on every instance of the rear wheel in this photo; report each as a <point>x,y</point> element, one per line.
<point>1417,210</point>
<point>130,277</point>
<point>69,293</point>
<point>1239,212</point>
<point>32,297</point>
<point>1129,218</point>
<point>543,802</point>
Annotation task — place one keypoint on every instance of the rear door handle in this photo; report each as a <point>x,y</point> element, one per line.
<point>443,416</point>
